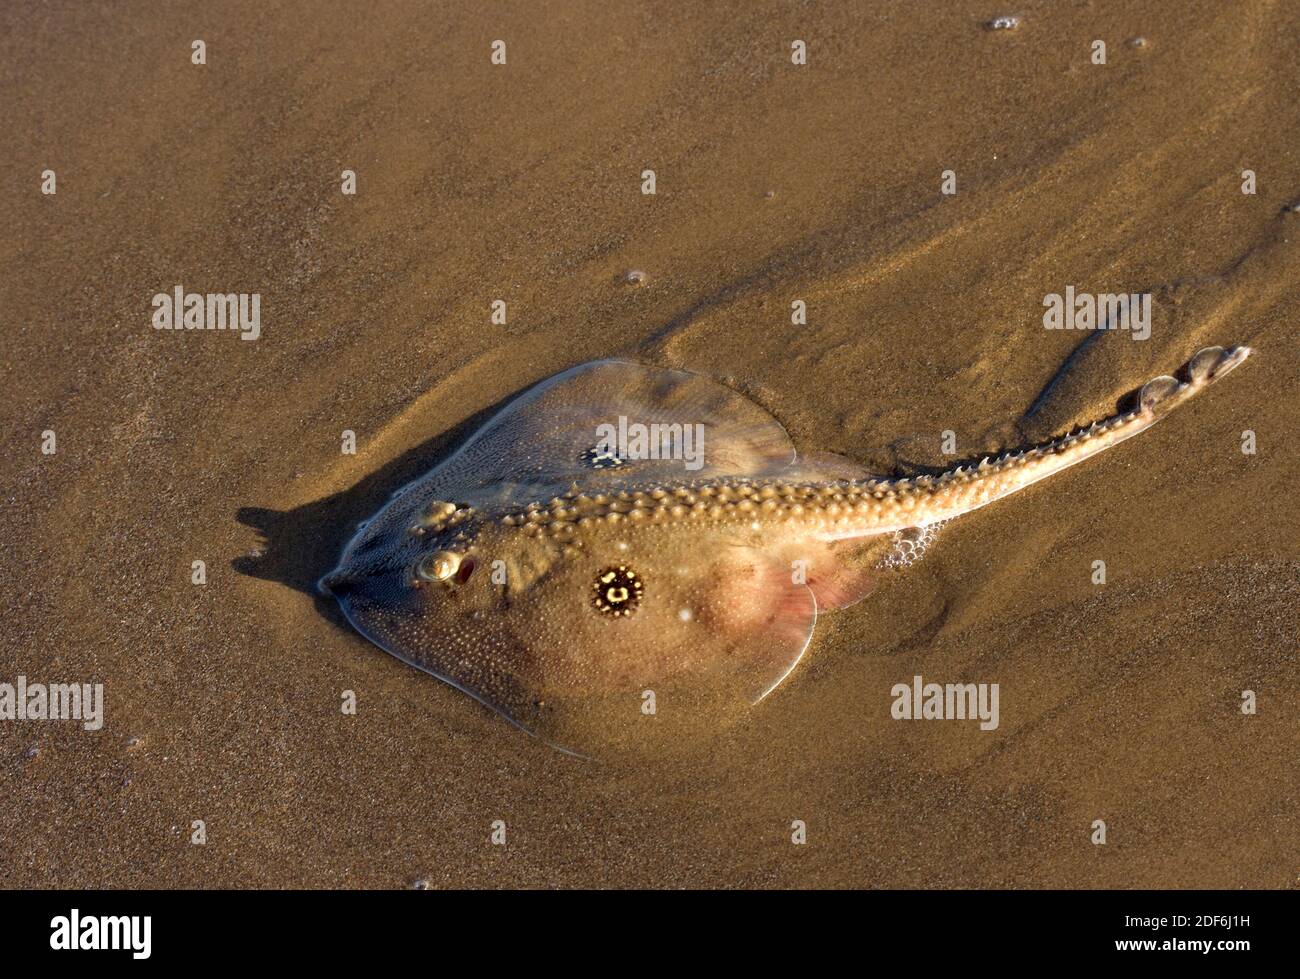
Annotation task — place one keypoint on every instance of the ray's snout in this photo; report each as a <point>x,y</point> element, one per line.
<point>350,583</point>
<point>336,584</point>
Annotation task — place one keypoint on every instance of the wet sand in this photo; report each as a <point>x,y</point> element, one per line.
<point>522,182</point>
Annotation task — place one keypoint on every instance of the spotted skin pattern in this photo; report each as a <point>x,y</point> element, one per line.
<point>558,587</point>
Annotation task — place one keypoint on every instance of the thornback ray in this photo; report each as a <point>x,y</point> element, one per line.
<point>625,556</point>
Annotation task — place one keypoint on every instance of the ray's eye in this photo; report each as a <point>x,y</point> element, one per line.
<point>617,591</point>
<point>446,566</point>
<point>439,566</point>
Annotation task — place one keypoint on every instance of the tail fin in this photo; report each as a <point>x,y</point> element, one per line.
<point>1163,393</point>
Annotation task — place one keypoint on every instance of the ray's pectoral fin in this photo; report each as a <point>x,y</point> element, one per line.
<point>616,650</point>
<point>661,648</point>
<point>610,424</point>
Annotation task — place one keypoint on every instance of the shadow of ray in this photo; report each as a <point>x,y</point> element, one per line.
<point>304,543</point>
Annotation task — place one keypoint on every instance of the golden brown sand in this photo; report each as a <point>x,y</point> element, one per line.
<point>522,182</point>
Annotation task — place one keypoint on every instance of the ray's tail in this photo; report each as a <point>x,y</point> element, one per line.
<point>968,488</point>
